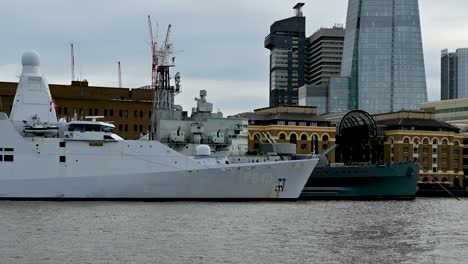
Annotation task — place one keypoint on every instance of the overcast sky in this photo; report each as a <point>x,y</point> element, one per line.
<point>219,42</point>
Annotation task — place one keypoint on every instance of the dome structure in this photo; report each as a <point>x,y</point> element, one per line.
<point>202,150</point>
<point>30,58</point>
<point>31,62</point>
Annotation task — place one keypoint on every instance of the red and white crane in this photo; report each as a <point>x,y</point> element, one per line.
<point>154,53</point>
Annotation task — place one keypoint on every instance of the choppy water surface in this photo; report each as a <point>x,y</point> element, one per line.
<point>420,231</point>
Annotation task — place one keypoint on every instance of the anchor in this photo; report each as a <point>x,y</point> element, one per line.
<point>280,187</point>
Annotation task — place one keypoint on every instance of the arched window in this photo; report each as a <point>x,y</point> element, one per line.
<point>456,144</point>
<point>304,137</point>
<point>435,179</point>
<point>426,141</point>
<point>456,181</point>
<point>325,138</point>
<point>444,179</point>
<point>406,141</point>
<point>282,136</point>
<point>391,141</point>
<point>315,144</point>
<point>425,179</point>
<point>435,142</point>
<point>444,142</point>
<point>293,139</point>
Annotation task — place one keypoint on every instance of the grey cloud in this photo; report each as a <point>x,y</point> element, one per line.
<point>219,40</point>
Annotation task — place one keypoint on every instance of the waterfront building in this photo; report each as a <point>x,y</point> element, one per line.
<point>298,125</point>
<point>455,112</point>
<point>416,136</point>
<point>286,43</point>
<point>129,109</point>
<point>454,74</point>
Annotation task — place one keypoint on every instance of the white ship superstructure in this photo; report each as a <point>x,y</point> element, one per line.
<point>225,136</point>
<point>45,158</point>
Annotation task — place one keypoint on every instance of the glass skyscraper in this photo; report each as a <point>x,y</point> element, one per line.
<point>454,74</point>
<point>383,56</point>
<point>286,42</point>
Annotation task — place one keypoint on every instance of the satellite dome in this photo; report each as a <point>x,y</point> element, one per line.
<point>30,58</point>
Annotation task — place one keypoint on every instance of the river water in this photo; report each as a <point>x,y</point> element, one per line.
<point>419,231</point>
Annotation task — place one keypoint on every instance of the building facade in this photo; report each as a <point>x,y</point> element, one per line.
<point>455,112</point>
<point>383,56</point>
<point>286,43</point>
<point>294,124</point>
<point>454,74</point>
<point>417,136</point>
<point>324,51</point>
<point>128,109</point>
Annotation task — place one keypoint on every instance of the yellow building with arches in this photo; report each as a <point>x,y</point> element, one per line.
<point>298,125</point>
<point>417,136</point>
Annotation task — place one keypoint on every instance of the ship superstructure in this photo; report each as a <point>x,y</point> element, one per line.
<point>225,136</point>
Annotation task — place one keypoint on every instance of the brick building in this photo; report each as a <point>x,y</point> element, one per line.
<point>128,109</point>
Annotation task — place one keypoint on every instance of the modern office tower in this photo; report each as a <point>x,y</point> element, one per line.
<point>286,42</point>
<point>383,56</point>
<point>454,74</point>
<point>324,50</point>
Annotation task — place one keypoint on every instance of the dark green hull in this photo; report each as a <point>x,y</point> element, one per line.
<point>393,181</point>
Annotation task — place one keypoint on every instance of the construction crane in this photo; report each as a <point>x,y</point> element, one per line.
<point>154,55</point>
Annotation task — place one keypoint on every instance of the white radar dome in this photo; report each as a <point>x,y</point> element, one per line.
<point>202,150</point>
<point>30,58</point>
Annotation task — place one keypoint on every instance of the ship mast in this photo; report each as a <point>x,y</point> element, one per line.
<point>164,93</point>
<point>72,62</point>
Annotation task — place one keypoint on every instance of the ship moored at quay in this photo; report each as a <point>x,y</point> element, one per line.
<point>46,158</point>
<point>229,137</point>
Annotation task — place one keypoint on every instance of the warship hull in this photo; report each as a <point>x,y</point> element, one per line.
<point>393,181</point>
